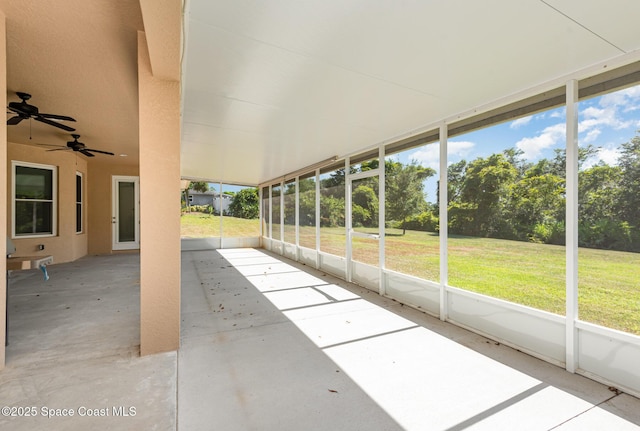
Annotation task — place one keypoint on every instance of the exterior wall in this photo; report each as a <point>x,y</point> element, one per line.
<point>207,199</point>
<point>99,204</point>
<point>159,128</point>
<point>96,237</point>
<point>201,199</point>
<point>67,245</point>
<point>3,178</point>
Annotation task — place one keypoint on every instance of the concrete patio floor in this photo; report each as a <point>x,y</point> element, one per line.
<point>270,344</point>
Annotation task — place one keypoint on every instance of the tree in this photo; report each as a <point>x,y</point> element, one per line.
<point>290,204</point>
<point>331,211</point>
<point>307,216</point>
<point>365,206</point>
<point>515,157</point>
<point>245,204</point>
<point>455,180</point>
<point>405,190</point>
<point>629,162</point>
<point>599,193</point>
<point>483,197</point>
<point>536,208</point>
<point>198,186</point>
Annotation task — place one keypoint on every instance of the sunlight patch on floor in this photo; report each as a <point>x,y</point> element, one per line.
<point>420,378</point>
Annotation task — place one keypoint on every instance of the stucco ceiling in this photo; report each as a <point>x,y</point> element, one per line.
<point>76,58</point>
<point>272,86</point>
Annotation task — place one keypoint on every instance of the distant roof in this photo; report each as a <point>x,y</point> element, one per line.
<point>208,193</point>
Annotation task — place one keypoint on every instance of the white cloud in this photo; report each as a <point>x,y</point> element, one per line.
<point>459,148</point>
<point>550,136</point>
<point>430,155</point>
<point>627,98</point>
<point>607,113</point>
<point>601,117</point>
<point>609,155</point>
<point>558,114</point>
<point>592,135</point>
<point>520,122</point>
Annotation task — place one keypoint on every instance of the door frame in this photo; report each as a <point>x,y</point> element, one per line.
<point>128,245</point>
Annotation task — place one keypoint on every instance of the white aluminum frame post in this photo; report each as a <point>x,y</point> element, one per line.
<point>572,227</point>
<point>381,217</point>
<point>444,223</point>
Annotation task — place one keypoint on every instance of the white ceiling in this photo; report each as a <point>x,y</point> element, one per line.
<point>272,86</point>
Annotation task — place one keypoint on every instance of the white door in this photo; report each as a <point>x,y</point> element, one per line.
<point>125,217</point>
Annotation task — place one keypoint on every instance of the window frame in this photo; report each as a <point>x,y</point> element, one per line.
<point>80,203</point>
<point>54,199</point>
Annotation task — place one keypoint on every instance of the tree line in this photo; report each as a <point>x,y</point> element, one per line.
<point>498,196</point>
<point>503,196</point>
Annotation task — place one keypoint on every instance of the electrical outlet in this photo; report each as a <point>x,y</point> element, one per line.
<point>40,247</point>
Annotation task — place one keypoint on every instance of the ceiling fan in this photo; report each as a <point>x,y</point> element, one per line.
<point>75,145</point>
<point>26,111</point>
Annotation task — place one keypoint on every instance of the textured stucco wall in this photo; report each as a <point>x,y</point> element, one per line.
<point>3,178</point>
<point>159,129</point>
<point>66,245</point>
<point>100,201</point>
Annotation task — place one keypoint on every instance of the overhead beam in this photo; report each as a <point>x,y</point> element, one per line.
<point>163,30</point>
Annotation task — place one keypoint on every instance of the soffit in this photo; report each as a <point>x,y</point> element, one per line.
<point>76,58</point>
<point>270,87</point>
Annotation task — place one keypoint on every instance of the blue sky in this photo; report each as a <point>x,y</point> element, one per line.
<point>605,122</point>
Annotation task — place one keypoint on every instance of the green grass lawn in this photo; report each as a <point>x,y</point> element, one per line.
<point>521,272</point>
<point>200,225</point>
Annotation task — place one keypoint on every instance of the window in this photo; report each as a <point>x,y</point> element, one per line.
<point>365,228</point>
<point>290,212</point>
<point>275,213</point>
<point>78,202</point>
<point>307,210</point>
<point>265,211</point>
<point>412,242</point>
<point>608,216</point>
<point>506,212</point>
<point>34,199</point>
<point>333,238</point>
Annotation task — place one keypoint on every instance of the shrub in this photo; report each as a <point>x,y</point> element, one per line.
<point>607,234</point>
<point>425,221</point>
<point>548,232</point>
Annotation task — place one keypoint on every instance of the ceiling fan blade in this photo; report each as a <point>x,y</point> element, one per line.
<point>14,120</point>
<point>59,149</point>
<point>57,117</point>
<point>52,145</point>
<point>54,124</point>
<point>99,151</point>
<point>86,153</point>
